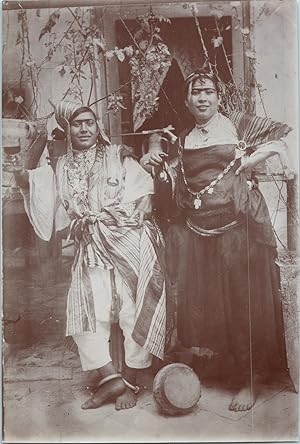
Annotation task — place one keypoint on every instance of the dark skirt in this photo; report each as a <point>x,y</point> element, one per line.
<point>227,289</point>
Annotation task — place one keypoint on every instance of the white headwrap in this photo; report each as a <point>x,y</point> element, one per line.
<point>63,113</point>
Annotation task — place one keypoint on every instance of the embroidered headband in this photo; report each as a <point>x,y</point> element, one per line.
<point>202,75</point>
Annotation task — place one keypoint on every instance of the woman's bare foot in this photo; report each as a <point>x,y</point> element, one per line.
<point>107,392</point>
<point>244,400</point>
<point>126,401</point>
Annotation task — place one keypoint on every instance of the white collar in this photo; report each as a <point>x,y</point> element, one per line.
<point>206,126</point>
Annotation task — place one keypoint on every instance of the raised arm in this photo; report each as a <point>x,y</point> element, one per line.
<point>263,152</point>
<point>156,155</point>
<point>22,178</point>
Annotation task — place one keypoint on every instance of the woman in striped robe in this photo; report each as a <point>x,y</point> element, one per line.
<point>103,194</point>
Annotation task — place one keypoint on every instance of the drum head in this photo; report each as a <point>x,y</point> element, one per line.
<point>182,388</point>
<point>176,389</point>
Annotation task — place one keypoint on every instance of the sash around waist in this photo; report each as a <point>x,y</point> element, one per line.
<point>210,219</point>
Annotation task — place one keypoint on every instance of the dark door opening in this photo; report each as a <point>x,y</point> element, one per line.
<point>184,43</point>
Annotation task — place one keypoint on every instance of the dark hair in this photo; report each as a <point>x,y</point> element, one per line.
<point>82,109</point>
<point>200,74</point>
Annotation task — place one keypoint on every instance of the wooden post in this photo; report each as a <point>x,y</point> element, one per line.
<point>292,213</point>
<point>249,83</point>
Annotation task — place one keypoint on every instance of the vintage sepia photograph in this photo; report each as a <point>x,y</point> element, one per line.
<point>150,171</point>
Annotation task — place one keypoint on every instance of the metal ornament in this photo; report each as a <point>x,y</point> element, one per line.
<point>242,145</point>
<point>197,203</point>
<point>163,176</point>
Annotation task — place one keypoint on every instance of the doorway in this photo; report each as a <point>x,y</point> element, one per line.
<point>184,43</point>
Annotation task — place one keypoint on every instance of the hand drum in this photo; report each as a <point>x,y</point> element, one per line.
<point>176,389</point>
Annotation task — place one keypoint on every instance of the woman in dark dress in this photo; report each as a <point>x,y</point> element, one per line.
<point>221,251</point>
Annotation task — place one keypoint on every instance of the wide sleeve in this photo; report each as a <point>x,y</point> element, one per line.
<point>62,219</point>
<point>40,200</point>
<point>137,183</point>
<point>271,148</point>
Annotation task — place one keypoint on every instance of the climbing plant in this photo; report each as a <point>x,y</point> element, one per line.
<point>79,46</point>
<point>75,47</point>
<point>149,58</point>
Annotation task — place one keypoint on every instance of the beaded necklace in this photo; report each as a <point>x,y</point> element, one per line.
<point>78,167</point>
<point>209,188</point>
<point>241,145</point>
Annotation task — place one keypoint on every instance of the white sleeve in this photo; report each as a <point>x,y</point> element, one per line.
<point>138,182</point>
<point>276,147</point>
<point>62,219</point>
<point>40,200</point>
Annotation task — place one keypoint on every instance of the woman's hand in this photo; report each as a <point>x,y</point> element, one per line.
<point>153,160</point>
<point>247,165</point>
<point>143,209</point>
<point>156,159</point>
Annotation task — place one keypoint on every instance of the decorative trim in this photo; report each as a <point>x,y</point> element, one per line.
<point>212,232</point>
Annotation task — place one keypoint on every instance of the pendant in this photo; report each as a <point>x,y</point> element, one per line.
<point>163,176</point>
<point>197,203</point>
<point>210,191</point>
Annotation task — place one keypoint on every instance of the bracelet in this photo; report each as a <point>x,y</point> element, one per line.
<point>173,139</point>
<point>109,378</point>
<point>134,388</point>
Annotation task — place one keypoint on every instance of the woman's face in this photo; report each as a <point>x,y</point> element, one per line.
<point>202,100</point>
<point>84,131</point>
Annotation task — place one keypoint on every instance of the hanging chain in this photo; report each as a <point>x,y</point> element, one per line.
<point>209,188</point>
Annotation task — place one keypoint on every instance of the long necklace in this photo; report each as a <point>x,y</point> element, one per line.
<point>209,188</point>
<point>78,166</point>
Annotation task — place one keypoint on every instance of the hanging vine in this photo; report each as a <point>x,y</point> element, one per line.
<point>78,47</point>
<point>149,59</point>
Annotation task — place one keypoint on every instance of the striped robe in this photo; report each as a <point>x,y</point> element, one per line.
<point>111,240</point>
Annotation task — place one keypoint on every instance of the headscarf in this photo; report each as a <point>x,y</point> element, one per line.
<point>63,114</point>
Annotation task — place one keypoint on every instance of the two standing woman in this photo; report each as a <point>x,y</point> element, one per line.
<point>221,249</point>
